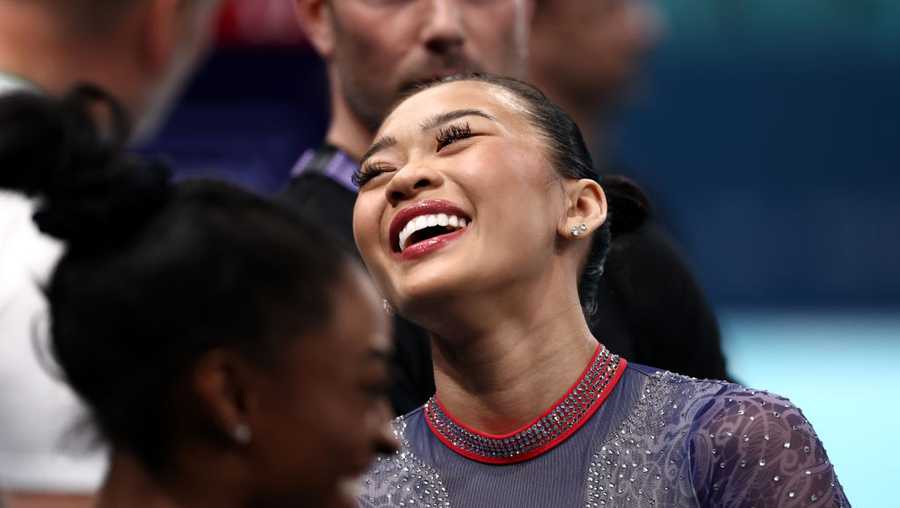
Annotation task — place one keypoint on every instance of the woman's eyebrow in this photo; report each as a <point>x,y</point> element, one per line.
<point>442,118</point>
<point>382,144</point>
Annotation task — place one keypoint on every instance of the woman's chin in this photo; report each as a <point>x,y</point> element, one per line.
<point>345,494</point>
<point>434,309</point>
<point>428,286</point>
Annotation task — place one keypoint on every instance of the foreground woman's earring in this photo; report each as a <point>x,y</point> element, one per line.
<point>388,308</point>
<point>242,433</point>
<point>578,230</point>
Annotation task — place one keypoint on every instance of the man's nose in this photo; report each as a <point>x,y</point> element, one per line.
<point>443,32</point>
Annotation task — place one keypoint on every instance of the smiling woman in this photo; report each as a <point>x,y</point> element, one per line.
<point>530,409</point>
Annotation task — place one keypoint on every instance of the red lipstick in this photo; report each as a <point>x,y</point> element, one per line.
<point>410,212</point>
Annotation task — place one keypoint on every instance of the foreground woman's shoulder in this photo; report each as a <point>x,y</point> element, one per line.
<point>745,447</point>
<point>402,478</point>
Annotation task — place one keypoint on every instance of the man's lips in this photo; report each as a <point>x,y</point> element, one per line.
<point>426,207</point>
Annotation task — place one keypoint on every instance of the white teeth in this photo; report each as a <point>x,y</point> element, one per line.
<point>424,221</point>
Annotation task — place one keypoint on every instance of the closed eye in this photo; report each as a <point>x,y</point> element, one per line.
<point>365,173</point>
<point>451,134</point>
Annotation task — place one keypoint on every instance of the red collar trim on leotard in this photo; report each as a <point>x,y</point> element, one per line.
<point>545,432</point>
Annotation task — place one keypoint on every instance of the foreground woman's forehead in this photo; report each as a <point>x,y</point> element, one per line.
<point>459,94</point>
<point>432,122</point>
<point>427,107</point>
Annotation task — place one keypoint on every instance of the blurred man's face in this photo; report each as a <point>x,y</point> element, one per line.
<point>595,46</point>
<point>383,47</point>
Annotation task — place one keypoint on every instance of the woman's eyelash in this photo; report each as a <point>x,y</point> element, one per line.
<point>445,136</point>
<point>365,173</point>
<point>448,135</point>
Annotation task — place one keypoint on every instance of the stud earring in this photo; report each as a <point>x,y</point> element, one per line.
<point>578,230</point>
<point>242,434</point>
<point>388,308</point>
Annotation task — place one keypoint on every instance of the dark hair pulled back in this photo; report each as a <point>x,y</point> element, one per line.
<point>628,206</point>
<point>154,274</point>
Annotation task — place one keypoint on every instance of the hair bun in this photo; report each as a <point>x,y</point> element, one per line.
<point>628,204</point>
<point>106,209</point>
<point>90,190</point>
<point>32,135</point>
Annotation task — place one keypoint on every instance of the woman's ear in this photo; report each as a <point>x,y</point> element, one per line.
<point>315,19</point>
<point>586,208</point>
<point>222,382</point>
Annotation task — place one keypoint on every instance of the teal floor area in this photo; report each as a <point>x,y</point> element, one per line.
<point>843,369</point>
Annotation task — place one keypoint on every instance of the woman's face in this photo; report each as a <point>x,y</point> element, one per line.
<point>324,413</point>
<point>458,197</point>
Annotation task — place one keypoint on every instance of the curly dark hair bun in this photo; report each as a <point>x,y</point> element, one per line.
<point>31,134</point>
<point>57,150</point>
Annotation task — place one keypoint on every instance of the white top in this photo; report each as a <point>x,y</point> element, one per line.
<point>39,446</point>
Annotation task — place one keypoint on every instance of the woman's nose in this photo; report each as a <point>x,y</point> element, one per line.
<point>411,180</point>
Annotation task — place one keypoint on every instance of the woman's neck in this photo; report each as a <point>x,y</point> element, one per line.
<point>129,484</point>
<point>513,370</point>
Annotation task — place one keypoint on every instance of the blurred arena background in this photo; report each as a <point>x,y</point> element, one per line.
<point>768,134</point>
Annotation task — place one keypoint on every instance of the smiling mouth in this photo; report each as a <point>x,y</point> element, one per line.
<point>426,227</point>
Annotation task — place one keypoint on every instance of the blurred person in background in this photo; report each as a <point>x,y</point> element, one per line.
<point>585,57</point>
<point>230,353</point>
<point>375,52</point>
<point>142,52</point>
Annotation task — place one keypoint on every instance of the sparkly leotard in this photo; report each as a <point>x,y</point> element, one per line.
<point>627,436</point>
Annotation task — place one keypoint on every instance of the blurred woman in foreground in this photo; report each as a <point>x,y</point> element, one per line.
<point>230,353</point>
<point>480,218</point>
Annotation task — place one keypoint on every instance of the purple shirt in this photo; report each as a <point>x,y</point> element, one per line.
<point>338,167</point>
